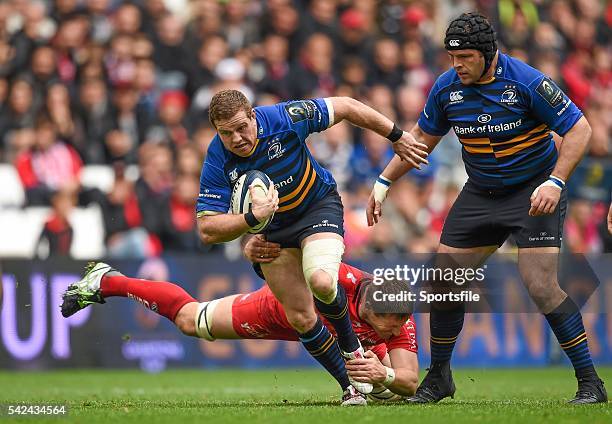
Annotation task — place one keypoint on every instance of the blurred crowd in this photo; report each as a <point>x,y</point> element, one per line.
<point>128,83</point>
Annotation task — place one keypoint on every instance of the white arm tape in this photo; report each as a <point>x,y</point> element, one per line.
<point>330,111</point>
<point>381,187</point>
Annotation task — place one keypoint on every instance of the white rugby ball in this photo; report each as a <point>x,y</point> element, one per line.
<point>241,195</point>
<point>381,394</point>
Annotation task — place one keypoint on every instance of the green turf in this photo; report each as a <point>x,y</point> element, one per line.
<point>292,396</point>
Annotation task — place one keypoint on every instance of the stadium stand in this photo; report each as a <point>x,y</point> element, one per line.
<point>126,85</point>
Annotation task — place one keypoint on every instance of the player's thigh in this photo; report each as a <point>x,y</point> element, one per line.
<point>321,236</point>
<point>538,264</point>
<point>286,280</point>
<point>471,222</point>
<point>464,256</point>
<point>222,319</point>
<point>321,257</point>
<point>452,258</point>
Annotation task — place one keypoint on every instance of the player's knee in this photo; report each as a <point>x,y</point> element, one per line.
<point>184,320</point>
<point>322,284</point>
<point>302,320</point>
<point>321,262</point>
<point>546,296</point>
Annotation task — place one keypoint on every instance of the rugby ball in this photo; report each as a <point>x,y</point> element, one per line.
<point>381,394</point>
<point>241,195</point>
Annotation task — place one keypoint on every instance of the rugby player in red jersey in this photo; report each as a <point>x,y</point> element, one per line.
<point>390,362</point>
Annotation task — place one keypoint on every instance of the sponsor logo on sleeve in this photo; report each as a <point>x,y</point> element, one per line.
<point>550,92</point>
<point>300,110</point>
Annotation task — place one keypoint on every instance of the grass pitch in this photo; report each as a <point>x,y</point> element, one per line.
<point>291,396</point>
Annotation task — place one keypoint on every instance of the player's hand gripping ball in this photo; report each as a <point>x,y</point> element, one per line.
<point>255,190</point>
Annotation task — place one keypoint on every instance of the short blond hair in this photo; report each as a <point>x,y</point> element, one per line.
<point>226,104</point>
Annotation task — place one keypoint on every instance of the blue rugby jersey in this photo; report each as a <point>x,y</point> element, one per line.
<point>281,153</point>
<point>504,125</point>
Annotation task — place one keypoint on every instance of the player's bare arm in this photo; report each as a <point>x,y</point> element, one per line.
<point>407,147</point>
<point>545,198</point>
<point>220,228</point>
<point>401,377</point>
<point>394,170</point>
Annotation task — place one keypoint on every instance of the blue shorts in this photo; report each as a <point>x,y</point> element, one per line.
<point>481,217</point>
<point>325,216</point>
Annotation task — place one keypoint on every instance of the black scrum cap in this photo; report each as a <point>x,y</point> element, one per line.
<point>472,31</point>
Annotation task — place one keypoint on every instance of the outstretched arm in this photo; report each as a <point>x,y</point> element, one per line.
<point>405,145</point>
<point>395,169</point>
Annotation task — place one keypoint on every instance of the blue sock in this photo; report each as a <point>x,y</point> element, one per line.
<point>566,323</point>
<point>444,327</point>
<point>337,314</point>
<point>320,343</point>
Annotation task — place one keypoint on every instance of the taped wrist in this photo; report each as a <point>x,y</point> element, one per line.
<point>250,219</point>
<point>381,187</point>
<point>558,181</point>
<point>390,378</point>
<point>395,134</point>
<point>547,183</point>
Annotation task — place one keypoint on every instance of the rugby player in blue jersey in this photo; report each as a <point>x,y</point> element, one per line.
<point>503,112</point>
<point>308,213</point>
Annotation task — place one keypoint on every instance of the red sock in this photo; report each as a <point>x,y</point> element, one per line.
<point>162,297</point>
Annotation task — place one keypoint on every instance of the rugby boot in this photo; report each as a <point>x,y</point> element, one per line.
<point>590,391</point>
<point>437,385</point>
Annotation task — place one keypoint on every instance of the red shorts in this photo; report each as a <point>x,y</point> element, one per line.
<point>259,315</point>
